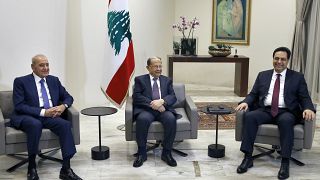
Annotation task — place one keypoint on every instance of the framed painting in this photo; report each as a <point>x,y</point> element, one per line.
<point>231,21</point>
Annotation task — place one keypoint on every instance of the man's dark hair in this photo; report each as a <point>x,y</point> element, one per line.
<point>285,49</point>
<point>149,60</point>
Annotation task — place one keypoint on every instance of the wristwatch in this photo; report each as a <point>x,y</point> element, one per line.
<point>66,105</point>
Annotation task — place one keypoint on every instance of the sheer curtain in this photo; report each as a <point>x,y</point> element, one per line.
<point>312,70</point>
<point>298,59</point>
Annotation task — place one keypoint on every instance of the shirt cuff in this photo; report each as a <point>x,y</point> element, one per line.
<point>42,112</point>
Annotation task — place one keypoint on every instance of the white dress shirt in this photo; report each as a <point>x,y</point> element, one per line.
<point>38,84</point>
<point>268,99</point>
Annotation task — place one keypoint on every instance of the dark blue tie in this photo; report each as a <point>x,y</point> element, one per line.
<point>155,89</point>
<point>44,93</point>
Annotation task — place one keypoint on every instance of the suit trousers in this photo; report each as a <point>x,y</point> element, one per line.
<point>143,122</point>
<point>285,121</point>
<point>62,128</point>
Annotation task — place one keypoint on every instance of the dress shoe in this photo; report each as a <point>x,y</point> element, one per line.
<point>284,171</point>
<point>32,174</point>
<point>169,159</point>
<point>68,174</point>
<point>245,164</point>
<point>139,160</point>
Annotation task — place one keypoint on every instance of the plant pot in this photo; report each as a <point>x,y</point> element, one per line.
<point>176,51</point>
<point>188,47</point>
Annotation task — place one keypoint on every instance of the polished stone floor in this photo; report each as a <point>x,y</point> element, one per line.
<point>197,165</point>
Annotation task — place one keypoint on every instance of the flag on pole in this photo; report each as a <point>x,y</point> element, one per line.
<point>120,58</point>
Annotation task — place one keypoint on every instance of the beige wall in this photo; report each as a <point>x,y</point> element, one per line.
<point>272,23</point>
<point>75,36</point>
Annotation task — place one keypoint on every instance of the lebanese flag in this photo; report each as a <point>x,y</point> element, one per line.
<point>120,58</point>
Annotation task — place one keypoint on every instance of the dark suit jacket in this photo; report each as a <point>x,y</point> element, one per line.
<point>142,94</point>
<point>26,99</point>
<point>296,96</point>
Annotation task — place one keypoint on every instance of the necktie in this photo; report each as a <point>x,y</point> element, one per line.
<point>45,98</point>
<point>275,97</point>
<point>155,89</point>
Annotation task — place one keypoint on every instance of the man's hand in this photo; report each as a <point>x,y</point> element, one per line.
<point>308,115</point>
<point>162,109</point>
<point>55,111</point>
<point>156,104</point>
<point>242,106</point>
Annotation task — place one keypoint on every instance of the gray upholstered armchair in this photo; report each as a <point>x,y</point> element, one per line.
<point>187,126</point>
<point>269,134</point>
<point>14,141</point>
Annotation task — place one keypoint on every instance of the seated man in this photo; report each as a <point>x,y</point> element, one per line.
<point>39,100</point>
<point>153,98</point>
<point>282,98</point>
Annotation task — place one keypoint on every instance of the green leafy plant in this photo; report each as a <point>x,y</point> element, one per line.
<point>176,45</point>
<point>220,47</point>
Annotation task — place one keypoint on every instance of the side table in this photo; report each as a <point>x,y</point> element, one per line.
<point>216,150</point>
<point>99,152</point>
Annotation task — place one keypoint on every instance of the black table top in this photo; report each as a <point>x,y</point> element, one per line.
<point>218,110</point>
<point>98,111</point>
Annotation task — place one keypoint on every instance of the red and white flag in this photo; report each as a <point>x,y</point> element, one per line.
<point>120,58</point>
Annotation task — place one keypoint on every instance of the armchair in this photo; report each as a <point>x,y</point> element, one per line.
<point>269,134</point>
<point>14,141</point>
<point>187,126</point>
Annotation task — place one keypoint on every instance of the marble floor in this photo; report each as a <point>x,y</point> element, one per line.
<point>197,165</point>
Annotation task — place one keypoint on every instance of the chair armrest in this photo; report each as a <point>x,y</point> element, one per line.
<point>309,130</point>
<point>191,111</point>
<point>2,134</point>
<point>239,125</point>
<point>128,119</point>
<point>73,117</point>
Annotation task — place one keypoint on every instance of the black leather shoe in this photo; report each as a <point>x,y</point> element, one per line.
<point>32,174</point>
<point>245,164</point>
<point>139,160</point>
<point>284,171</point>
<point>68,174</point>
<point>169,159</point>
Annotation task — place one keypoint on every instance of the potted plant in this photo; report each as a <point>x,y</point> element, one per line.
<point>187,28</point>
<point>176,47</point>
<point>220,50</point>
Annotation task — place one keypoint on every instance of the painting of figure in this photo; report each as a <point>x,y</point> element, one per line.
<point>230,23</point>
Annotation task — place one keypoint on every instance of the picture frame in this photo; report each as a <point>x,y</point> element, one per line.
<point>231,22</point>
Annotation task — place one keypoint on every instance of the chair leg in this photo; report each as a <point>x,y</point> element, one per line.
<point>53,151</point>
<point>25,160</point>
<point>271,151</point>
<point>296,161</point>
<point>16,166</point>
<point>157,144</point>
<point>183,154</point>
<point>262,149</point>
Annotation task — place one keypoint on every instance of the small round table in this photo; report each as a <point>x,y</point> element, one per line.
<point>99,152</point>
<point>216,150</point>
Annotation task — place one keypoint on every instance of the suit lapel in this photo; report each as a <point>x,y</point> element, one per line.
<point>286,82</point>
<point>148,85</point>
<point>33,88</point>
<point>268,80</point>
<point>162,86</point>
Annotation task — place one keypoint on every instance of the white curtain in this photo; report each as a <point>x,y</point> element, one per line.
<point>312,70</point>
<point>298,60</point>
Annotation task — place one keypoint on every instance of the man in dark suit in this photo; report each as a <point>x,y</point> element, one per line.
<point>153,98</point>
<point>39,100</point>
<point>281,96</point>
